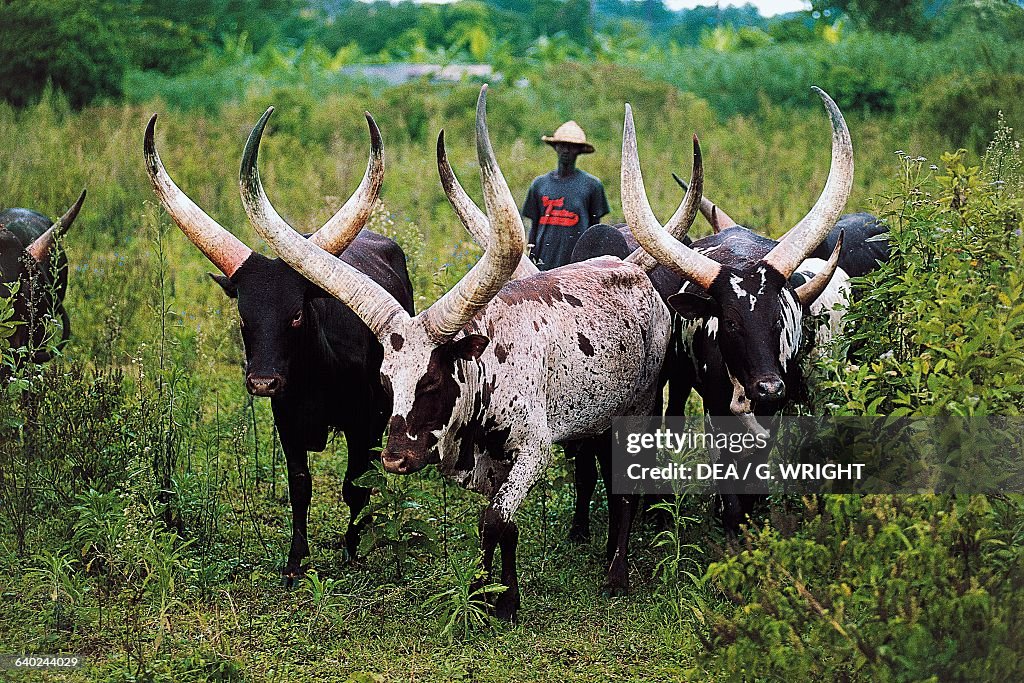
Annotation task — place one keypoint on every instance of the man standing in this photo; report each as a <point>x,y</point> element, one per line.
<point>564,202</point>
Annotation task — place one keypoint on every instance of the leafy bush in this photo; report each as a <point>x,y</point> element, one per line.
<point>7,327</point>
<point>73,45</point>
<point>393,520</point>
<point>938,329</point>
<point>876,588</point>
<point>863,71</point>
<point>904,588</point>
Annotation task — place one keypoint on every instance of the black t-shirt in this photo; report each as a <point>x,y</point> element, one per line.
<point>561,209</point>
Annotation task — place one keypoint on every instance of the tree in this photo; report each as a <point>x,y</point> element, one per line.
<point>73,44</point>
<point>888,16</point>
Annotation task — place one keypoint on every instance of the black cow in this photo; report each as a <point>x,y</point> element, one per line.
<point>866,243</point>
<point>744,317</point>
<point>308,352</point>
<point>28,258</point>
<point>615,240</point>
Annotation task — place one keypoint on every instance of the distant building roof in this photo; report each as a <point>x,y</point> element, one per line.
<point>399,72</point>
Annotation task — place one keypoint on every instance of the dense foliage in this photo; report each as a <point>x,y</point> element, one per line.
<point>939,327</point>
<point>71,44</point>
<point>875,588</point>
<point>905,588</point>
<point>952,60</point>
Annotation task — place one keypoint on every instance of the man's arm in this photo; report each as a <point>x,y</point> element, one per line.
<point>531,210</point>
<point>598,203</point>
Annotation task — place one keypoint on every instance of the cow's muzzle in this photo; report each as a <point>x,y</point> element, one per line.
<point>265,385</point>
<point>397,462</point>
<point>769,389</point>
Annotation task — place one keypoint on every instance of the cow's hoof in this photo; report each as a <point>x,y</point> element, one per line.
<point>291,575</point>
<point>351,544</point>
<point>616,584</point>
<point>614,590</point>
<point>506,607</point>
<point>579,534</point>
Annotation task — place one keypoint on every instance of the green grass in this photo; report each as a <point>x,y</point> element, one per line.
<point>227,605</point>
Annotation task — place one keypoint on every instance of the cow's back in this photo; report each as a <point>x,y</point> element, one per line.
<point>617,240</point>
<point>591,337</point>
<point>864,243</point>
<point>337,376</point>
<point>25,225</point>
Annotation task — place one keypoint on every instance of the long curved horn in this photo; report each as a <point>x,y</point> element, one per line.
<point>367,299</point>
<point>41,245</point>
<point>224,250</point>
<point>468,212</point>
<point>802,239</point>
<point>641,220</point>
<point>685,214</point>
<point>342,228</point>
<point>812,289</point>
<point>710,210</point>
<point>506,242</point>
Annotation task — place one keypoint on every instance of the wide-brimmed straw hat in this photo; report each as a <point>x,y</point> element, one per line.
<point>570,131</point>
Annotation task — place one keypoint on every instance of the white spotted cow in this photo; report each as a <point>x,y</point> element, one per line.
<point>493,373</point>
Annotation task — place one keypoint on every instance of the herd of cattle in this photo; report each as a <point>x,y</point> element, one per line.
<point>510,360</point>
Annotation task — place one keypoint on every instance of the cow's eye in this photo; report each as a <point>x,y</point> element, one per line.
<point>732,325</point>
<point>297,319</point>
<point>778,325</point>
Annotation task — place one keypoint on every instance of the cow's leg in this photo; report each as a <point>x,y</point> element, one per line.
<point>300,492</point>
<point>585,466</point>
<point>732,506</point>
<point>494,532</point>
<point>621,511</point>
<point>361,440</point>
<point>496,525</point>
<point>617,581</point>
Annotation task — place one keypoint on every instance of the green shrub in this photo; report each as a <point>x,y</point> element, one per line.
<point>876,588</point>
<point>74,45</point>
<point>863,70</point>
<point>904,588</point>
<point>939,329</point>
<point>7,327</point>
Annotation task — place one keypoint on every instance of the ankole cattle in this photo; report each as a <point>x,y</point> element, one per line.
<point>313,356</point>
<point>616,240</point>
<point>866,243</point>
<point>597,241</point>
<point>743,316</point>
<point>494,372</point>
<point>30,262</point>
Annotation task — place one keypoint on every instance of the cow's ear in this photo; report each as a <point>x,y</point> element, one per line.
<point>690,305</point>
<point>470,347</point>
<point>226,284</point>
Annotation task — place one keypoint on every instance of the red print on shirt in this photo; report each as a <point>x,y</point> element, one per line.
<point>553,215</point>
